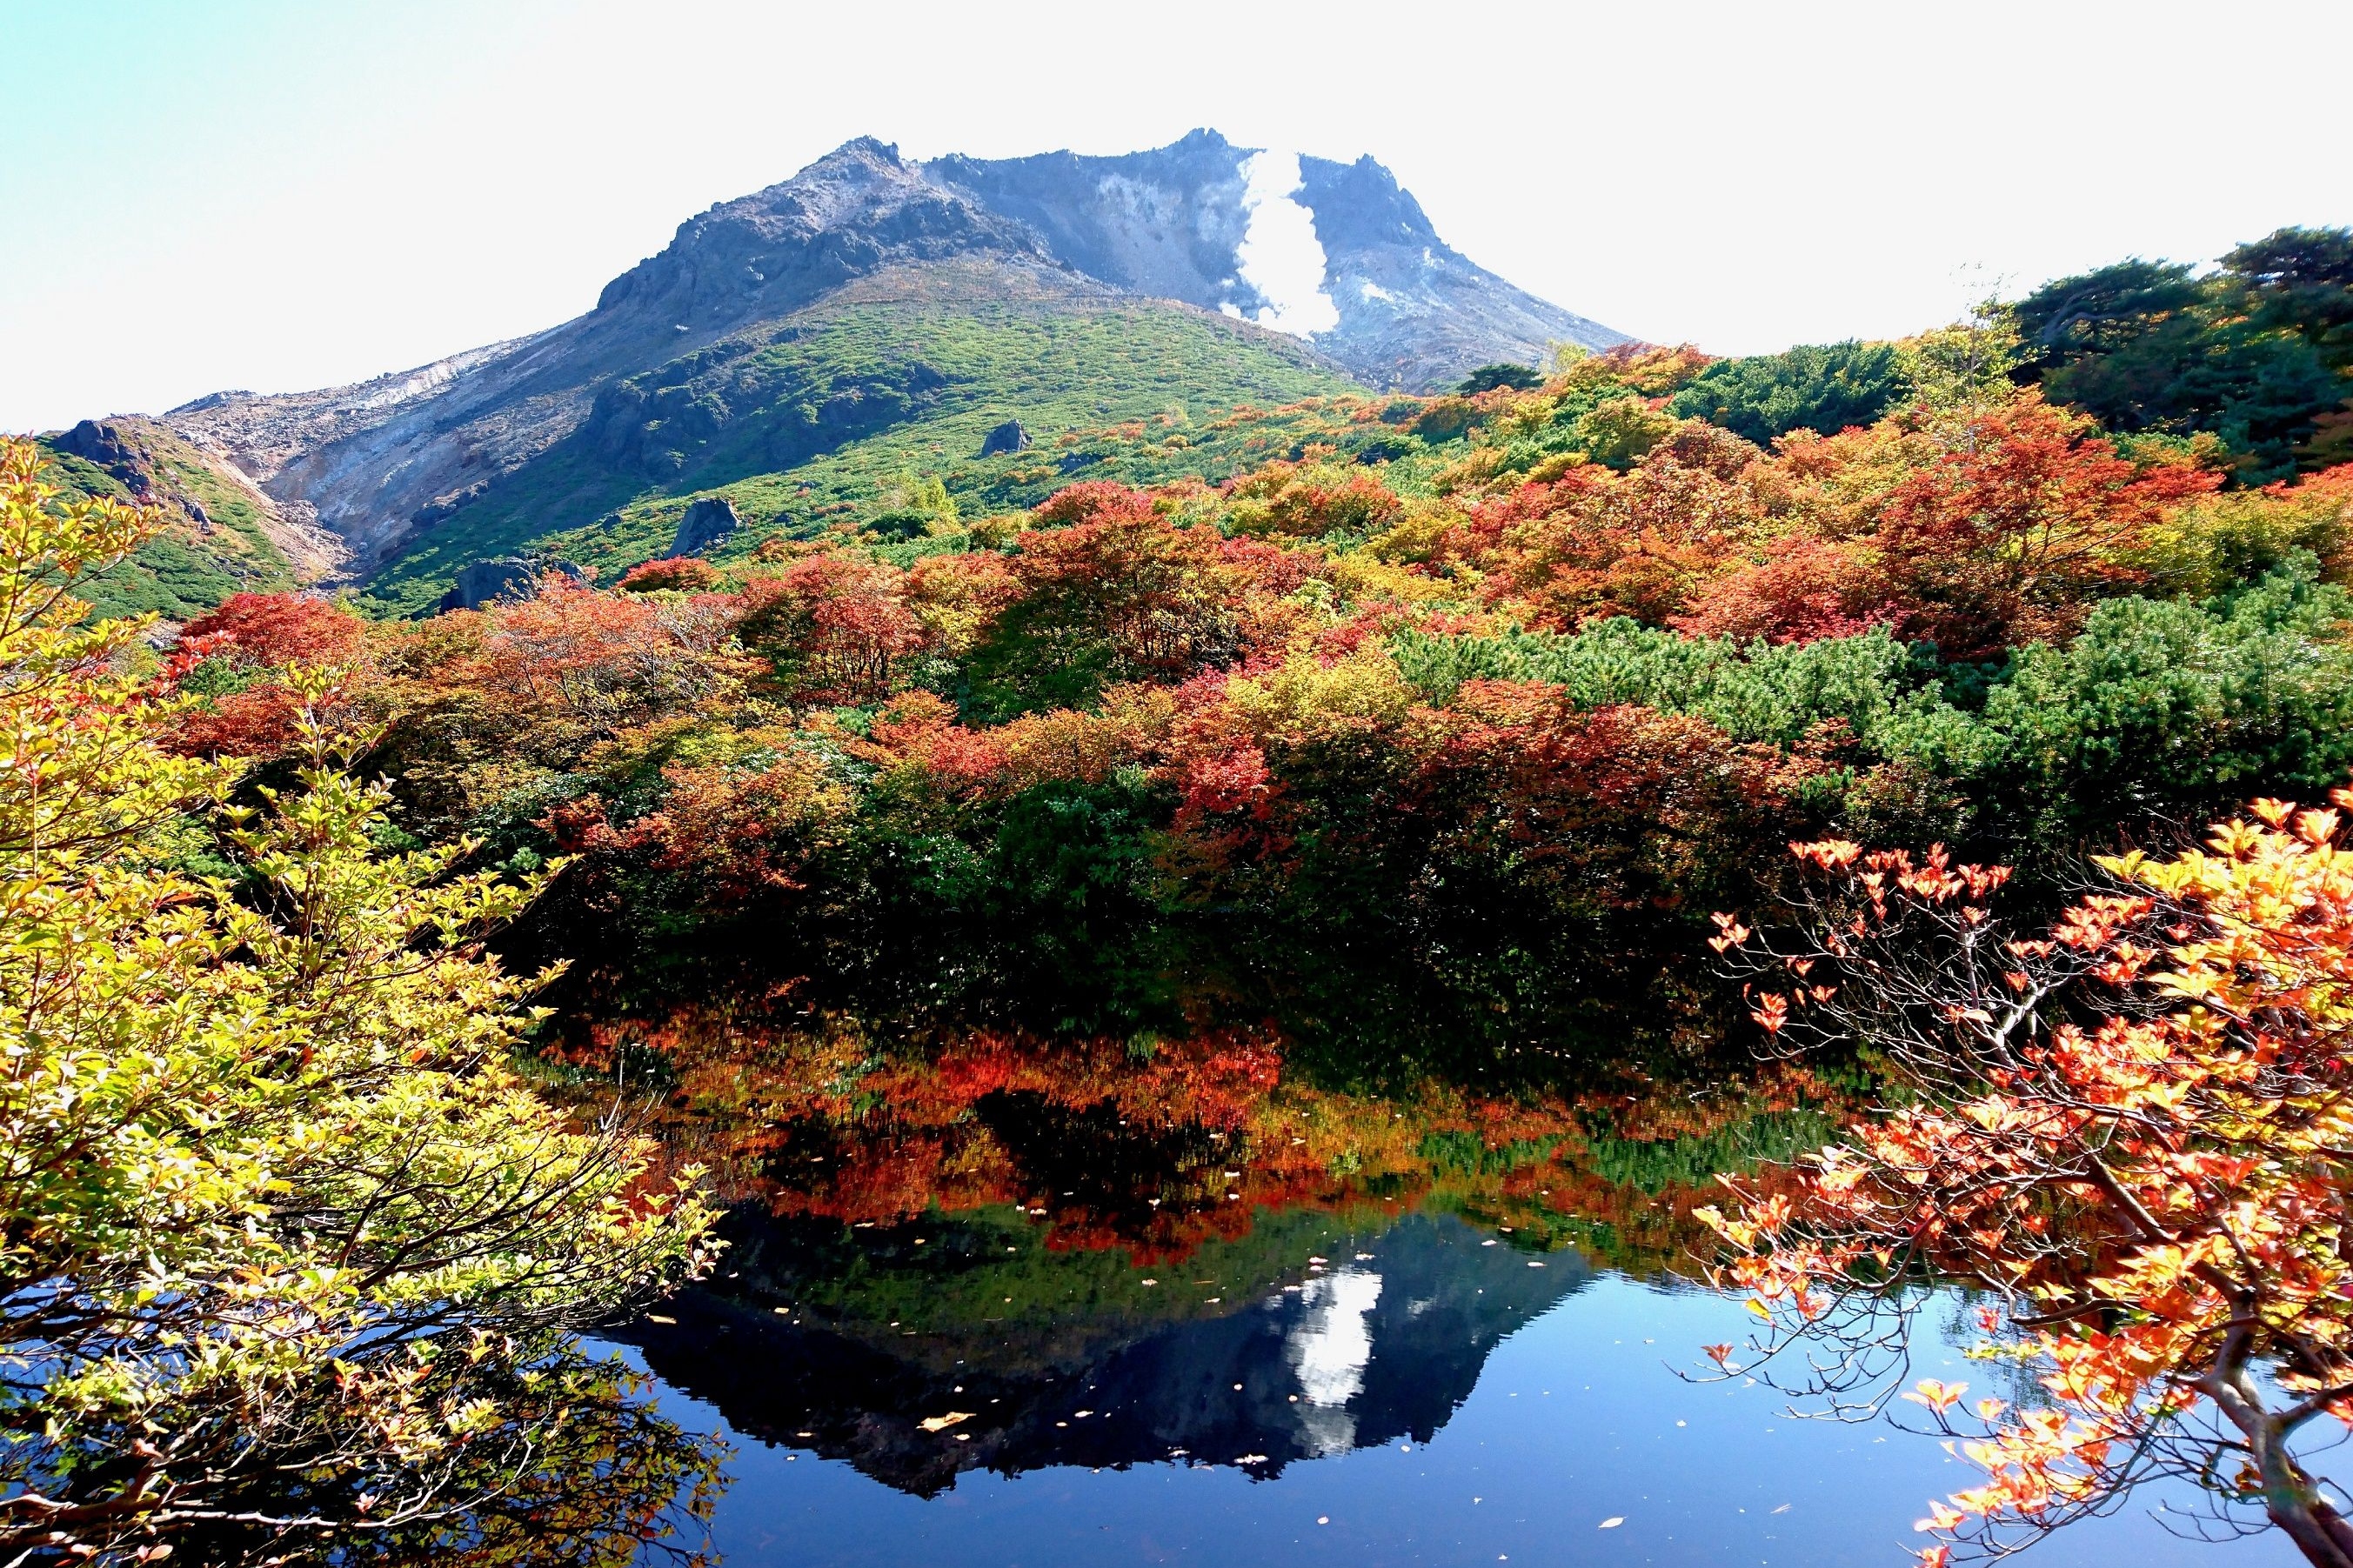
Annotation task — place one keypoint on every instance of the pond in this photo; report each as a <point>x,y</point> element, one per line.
<point>1007,1300</point>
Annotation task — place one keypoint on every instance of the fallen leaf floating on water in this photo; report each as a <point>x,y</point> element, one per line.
<point>942,1423</point>
<point>1613,1522</point>
<point>657,1318</point>
<point>1783,1508</point>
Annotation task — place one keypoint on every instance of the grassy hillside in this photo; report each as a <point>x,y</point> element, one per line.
<point>215,543</point>
<point>830,415</point>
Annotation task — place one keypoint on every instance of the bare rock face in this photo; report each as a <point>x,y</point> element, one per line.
<point>855,210</point>
<point>378,462</point>
<point>1415,313</point>
<point>710,520</point>
<point>1403,309</point>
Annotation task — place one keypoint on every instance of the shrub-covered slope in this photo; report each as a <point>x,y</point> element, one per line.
<point>1355,703</point>
<point>220,537</point>
<point>831,413</point>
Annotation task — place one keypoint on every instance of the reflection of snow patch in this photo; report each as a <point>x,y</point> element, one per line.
<point>1280,255</point>
<point>1329,1352</point>
<point>1372,291</point>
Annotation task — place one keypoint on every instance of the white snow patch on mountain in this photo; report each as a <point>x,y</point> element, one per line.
<point>1278,255</point>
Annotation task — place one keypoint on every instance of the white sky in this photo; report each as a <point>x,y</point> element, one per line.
<point>283,194</point>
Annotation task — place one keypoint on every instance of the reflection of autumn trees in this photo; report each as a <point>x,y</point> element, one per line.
<point>587,1474</point>
<point>1159,1146</point>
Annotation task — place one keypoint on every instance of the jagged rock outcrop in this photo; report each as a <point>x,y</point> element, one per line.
<point>113,447</point>
<point>857,209</point>
<point>1006,437</point>
<point>710,520</point>
<point>503,579</point>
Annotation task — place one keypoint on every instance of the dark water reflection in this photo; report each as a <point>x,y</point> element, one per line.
<point>997,1299</point>
<point>1290,1373</point>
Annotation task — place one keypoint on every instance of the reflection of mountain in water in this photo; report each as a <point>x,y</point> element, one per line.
<point>1385,1340</point>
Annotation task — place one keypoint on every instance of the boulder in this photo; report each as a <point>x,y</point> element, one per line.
<point>710,520</point>
<point>502,579</point>
<point>1006,437</point>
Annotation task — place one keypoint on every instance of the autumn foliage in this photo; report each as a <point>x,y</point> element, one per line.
<point>2129,1131</point>
<point>671,574</point>
<point>269,629</point>
<point>1581,670</point>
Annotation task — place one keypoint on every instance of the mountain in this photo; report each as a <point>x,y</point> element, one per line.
<point>221,534</point>
<point>895,311</point>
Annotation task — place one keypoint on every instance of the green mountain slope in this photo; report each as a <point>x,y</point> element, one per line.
<point>220,536</point>
<point>807,420</point>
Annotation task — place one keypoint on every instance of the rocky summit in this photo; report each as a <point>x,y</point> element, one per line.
<point>1337,252</point>
<point>1296,272</point>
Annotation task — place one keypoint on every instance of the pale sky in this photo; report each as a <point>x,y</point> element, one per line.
<point>278,194</point>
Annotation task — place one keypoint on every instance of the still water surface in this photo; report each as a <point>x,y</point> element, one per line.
<point>1012,1304</point>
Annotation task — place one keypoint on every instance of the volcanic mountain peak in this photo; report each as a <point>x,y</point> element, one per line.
<point>857,208</point>
<point>1335,255</point>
